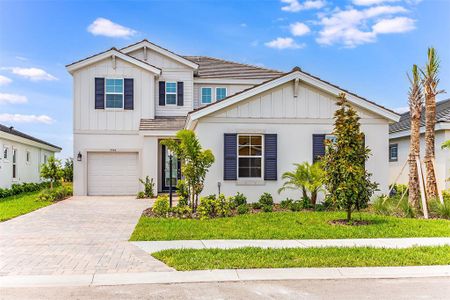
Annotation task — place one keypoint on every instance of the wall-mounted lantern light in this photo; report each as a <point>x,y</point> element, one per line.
<point>79,156</point>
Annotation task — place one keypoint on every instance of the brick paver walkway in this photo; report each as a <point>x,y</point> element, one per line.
<point>81,235</point>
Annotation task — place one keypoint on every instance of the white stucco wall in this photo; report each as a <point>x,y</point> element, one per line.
<point>442,159</point>
<point>294,120</point>
<point>26,171</point>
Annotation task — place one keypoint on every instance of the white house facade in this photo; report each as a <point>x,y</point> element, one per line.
<point>21,156</point>
<point>399,141</point>
<point>257,122</point>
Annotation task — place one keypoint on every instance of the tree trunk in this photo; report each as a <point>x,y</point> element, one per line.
<point>313,198</point>
<point>430,120</point>
<point>305,194</point>
<point>414,152</point>
<point>349,214</point>
<point>51,184</point>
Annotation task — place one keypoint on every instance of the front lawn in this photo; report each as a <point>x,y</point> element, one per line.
<point>286,225</point>
<point>13,206</point>
<point>246,258</point>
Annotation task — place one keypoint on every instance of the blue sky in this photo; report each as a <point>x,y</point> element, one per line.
<point>365,46</point>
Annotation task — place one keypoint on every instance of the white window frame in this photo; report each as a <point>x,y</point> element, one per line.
<point>14,168</point>
<point>391,159</point>
<point>201,95</point>
<point>28,157</point>
<point>115,93</point>
<point>6,159</point>
<point>250,156</point>
<point>220,87</point>
<point>171,93</point>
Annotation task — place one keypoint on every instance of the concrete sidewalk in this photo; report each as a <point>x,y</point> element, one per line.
<point>156,246</point>
<point>224,276</point>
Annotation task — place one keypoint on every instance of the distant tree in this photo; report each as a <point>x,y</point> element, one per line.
<point>195,162</point>
<point>68,170</point>
<point>52,170</point>
<point>346,180</point>
<point>415,109</point>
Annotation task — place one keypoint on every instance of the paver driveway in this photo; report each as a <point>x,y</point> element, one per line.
<point>81,235</point>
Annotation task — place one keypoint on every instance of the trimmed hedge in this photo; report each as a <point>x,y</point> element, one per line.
<point>56,194</point>
<point>25,187</point>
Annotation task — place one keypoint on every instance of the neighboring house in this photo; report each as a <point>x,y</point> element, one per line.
<point>258,122</point>
<point>399,137</point>
<point>21,156</point>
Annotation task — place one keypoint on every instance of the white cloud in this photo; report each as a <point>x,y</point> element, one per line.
<point>401,110</point>
<point>105,27</point>
<point>18,118</point>
<point>299,29</point>
<point>395,25</point>
<point>4,80</point>
<point>34,74</point>
<point>284,43</point>
<point>296,5</point>
<point>349,27</point>
<point>12,99</point>
<point>371,2</point>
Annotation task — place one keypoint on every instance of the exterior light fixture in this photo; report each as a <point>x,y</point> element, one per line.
<point>79,156</point>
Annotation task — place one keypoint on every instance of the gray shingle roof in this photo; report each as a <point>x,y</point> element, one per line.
<point>18,133</point>
<point>162,123</point>
<point>210,67</point>
<point>442,115</point>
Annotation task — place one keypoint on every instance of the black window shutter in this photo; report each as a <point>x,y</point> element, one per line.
<point>180,93</point>
<point>270,157</point>
<point>230,156</point>
<point>99,93</point>
<point>128,93</point>
<point>318,146</point>
<point>162,93</point>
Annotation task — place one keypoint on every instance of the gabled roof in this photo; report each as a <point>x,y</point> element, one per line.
<point>210,67</point>
<point>296,73</point>
<point>442,116</point>
<point>18,133</point>
<point>110,53</point>
<point>161,50</point>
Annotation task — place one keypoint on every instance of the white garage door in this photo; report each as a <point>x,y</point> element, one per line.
<point>112,173</point>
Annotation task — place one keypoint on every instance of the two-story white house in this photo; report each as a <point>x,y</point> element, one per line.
<point>257,122</point>
<point>22,156</point>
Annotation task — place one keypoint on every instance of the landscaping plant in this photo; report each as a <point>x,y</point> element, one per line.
<point>347,182</point>
<point>68,170</point>
<point>149,187</point>
<point>52,170</point>
<point>56,194</point>
<point>213,207</point>
<point>161,206</point>
<point>195,162</point>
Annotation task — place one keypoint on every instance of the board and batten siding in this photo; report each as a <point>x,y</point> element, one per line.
<point>295,120</point>
<point>87,118</point>
<point>231,90</point>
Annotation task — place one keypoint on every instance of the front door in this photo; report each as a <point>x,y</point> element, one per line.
<point>167,168</point>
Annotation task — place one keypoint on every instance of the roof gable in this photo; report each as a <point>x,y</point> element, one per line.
<point>158,49</point>
<point>293,75</point>
<point>12,131</point>
<point>113,52</point>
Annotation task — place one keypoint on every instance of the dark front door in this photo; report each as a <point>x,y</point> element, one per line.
<point>166,168</point>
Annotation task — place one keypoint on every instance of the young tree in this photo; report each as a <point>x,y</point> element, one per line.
<point>68,170</point>
<point>52,170</point>
<point>346,179</point>
<point>195,161</point>
<point>430,84</point>
<point>306,178</point>
<point>415,110</point>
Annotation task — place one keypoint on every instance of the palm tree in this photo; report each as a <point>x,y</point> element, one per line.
<point>415,111</point>
<point>305,177</point>
<point>430,84</point>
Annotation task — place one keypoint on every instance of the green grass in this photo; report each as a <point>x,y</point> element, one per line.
<point>286,225</point>
<point>246,258</point>
<point>11,207</point>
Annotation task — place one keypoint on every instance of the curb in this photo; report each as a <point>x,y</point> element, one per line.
<point>225,276</point>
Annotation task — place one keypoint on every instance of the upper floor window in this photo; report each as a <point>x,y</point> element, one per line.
<point>171,93</point>
<point>221,93</point>
<point>250,155</point>
<point>14,161</point>
<point>5,152</point>
<point>28,156</point>
<point>206,96</point>
<point>393,152</point>
<point>114,93</point>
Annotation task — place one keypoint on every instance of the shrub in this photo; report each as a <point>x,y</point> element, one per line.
<point>212,207</point>
<point>439,210</point>
<point>22,188</point>
<point>256,205</point>
<point>306,203</point>
<point>182,201</point>
<point>320,207</point>
<point>56,194</point>
<point>266,199</point>
<point>68,170</point>
<point>181,211</point>
<point>239,199</point>
<point>182,189</point>
<point>52,170</point>
<point>161,206</point>
<point>286,204</point>
<point>267,208</point>
<point>141,195</point>
<point>242,209</point>
<point>296,205</point>
<point>149,187</point>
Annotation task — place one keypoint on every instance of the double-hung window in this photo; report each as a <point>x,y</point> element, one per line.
<point>171,93</point>
<point>206,95</point>
<point>393,152</point>
<point>28,156</point>
<point>114,93</point>
<point>250,156</point>
<point>221,93</point>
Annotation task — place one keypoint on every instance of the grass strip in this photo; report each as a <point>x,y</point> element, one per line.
<point>11,207</point>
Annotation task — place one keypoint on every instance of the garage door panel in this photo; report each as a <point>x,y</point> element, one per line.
<point>113,173</point>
